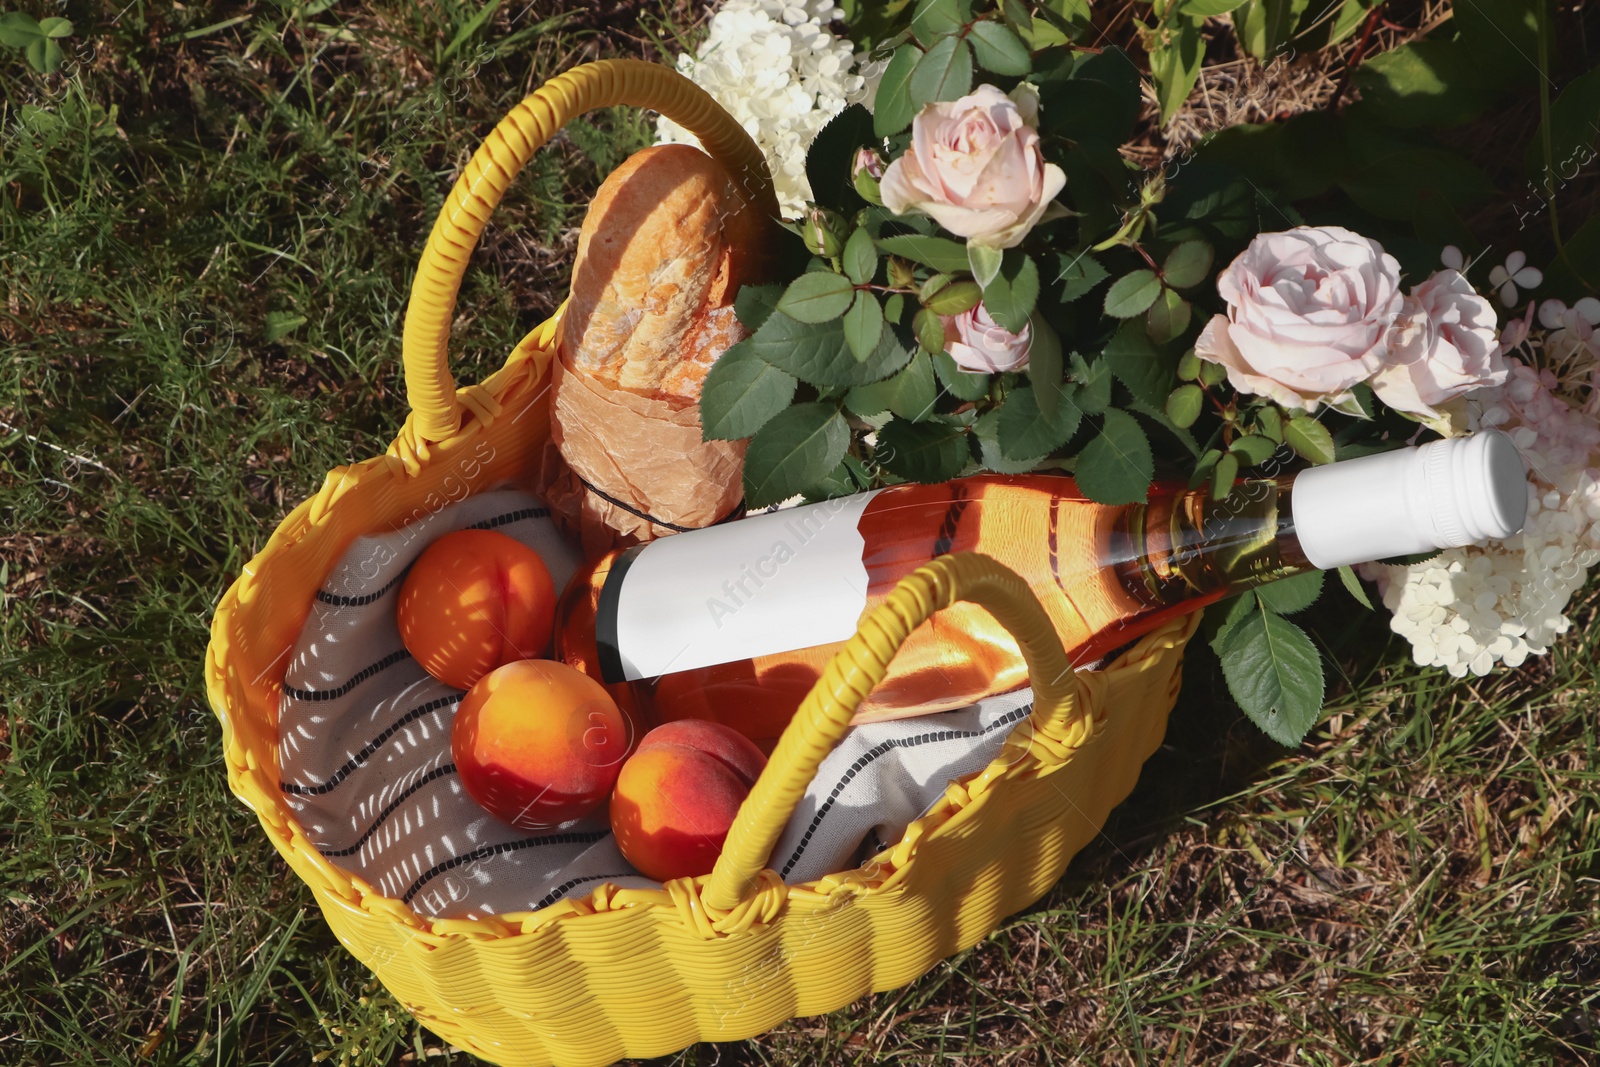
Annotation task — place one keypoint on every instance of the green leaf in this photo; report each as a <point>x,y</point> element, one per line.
<point>18,30</point>
<point>470,27</point>
<point>1187,264</point>
<point>943,73</point>
<point>1094,383</point>
<point>1270,423</point>
<point>1573,131</point>
<point>1352,13</point>
<point>926,452</point>
<point>1224,473</point>
<point>1044,365</point>
<point>1352,585</point>
<point>741,392</point>
<point>892,107</point>
<point>1274,672</point>
<point>1576,273</point>
<point>45,55</point>
<point>986,434</point>
<point>836,483</point>
<point>1203,466</point>
<point>961,384</point>
<point>1289,595</point>
<point>1189,366</point>
<point>996,48</point>
<point>1115,467</point>
<point>1362,403</point>
<point>1501,37</point>
<point>818,353</point>
<point>753,303</point>
<point>1255,448</point>
<point>929,329</point>
<point>1167,318</point>
<point>280,324</point>
<point>1207,9</point>
<point>936,18</point>
<point>909,394</point>
<point>860,257</point>
<point>794,450</point>
<point>1184,405</point>
<point>1079,274</point>
<point>894,308</point>
<point>955,297</point>
<point>817,296</point>
<point>1018,15</point>
<point>1063,20</point>
<point>1023,430</point>
<point>1309,438</point>
<point>1131,294</point>
<point>940,253</point>
<point>1147,370</point>
<point>985,262</point>
<point>1159,417</point>
<point>863,324</point>
<point>55,27</point>
<point>1241,607</point>
<point>831,157</point>
<point>1175,65</point>
<point>1425,83</point>
<point>1400,184</point>
<point>1264,26</point>
<point>1011,296</point>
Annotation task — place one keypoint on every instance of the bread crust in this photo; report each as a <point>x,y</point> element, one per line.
<point>660,257</point>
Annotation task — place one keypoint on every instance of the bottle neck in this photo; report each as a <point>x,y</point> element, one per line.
<point>1183,544</point>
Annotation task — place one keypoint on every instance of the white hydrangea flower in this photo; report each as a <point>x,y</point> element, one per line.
<point>1468,608</point>
<point>777,69</point>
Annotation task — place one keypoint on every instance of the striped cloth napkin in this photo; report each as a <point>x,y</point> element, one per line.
<point>364,746</point>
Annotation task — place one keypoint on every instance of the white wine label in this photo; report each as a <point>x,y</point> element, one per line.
<point>764,584</point>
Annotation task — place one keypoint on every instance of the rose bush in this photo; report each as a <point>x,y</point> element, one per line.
<point>976,167</point>
<point>1309,311</point>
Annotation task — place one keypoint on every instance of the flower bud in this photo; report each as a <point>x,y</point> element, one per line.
<point>825,232</point>
<point>902,275</point>
<point>865,171</point>
<point>869,161</point>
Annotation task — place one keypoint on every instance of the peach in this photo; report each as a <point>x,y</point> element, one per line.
<point>538,743</point>
<point>678,794</point>
<point>474,600</point>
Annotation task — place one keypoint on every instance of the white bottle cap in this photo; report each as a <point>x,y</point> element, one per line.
<point>1444,494</point>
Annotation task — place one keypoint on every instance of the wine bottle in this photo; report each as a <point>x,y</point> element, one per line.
<point>734,623</point>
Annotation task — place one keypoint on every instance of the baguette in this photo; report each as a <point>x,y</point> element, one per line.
<point>661,255</point>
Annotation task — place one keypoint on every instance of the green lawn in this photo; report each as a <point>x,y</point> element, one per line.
<point>208,221</point>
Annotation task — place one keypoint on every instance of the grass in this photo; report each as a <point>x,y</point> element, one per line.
<point>207,227</point>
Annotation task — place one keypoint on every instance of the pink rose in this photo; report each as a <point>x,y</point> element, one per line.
<point>977,343</point>
<point>1308,314</point>
<point>1442,345</point>
<point>975,165</point>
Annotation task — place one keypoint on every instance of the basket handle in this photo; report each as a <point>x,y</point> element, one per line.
<point>857,668</point>
<point>430,389</point>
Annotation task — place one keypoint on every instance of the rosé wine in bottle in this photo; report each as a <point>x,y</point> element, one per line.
<point>735,623</point>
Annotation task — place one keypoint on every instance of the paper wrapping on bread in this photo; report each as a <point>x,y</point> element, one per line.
<point>662,253</point>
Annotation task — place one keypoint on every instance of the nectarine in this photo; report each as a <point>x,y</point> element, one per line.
<point>474,600</point>
<point>538,743</point>
<point>678,794</point>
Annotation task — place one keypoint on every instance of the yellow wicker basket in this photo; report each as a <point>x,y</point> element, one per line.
<point>624,972</point>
